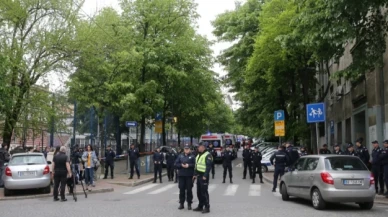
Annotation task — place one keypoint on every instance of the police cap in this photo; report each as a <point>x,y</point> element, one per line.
<point>375,142</point>
<point>280,146</point>
<point>187,146</point>
<point>336,145</point>
<point>386,141</point>
<point>350,145</point>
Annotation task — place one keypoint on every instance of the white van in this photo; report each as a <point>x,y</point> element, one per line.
<point>217,141</point>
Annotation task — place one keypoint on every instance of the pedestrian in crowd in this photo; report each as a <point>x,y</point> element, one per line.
<point>227,157</point>
<point>281,161</point>
<point>61,171</point>
<point>377,168</point>
<point>303,151</point>
<point>247,161</point>
<point>337,150</point>
<point>158,159</point>
<point>325,150</point>
<point>81,165</point>
<point>211,150</point>
<point>362,152</point>
<point>185,164</point>
<point>46,151</point>
<point>90,158</point>
<point>4,158</point>
<point>133,154</point>
<point>293,154</point>
<point>203,164</point>
<point>384,161</point>
<point>75,160</point>
<point>57,150</point>
<point>256,162</point>
<point>109,162</point>
<point>170,161</point>
<point>351,151</point>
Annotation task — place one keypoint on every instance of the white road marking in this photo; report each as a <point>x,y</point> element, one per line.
<point>231,190</point>
<point>165,188</point>
<point>212,187</point>
<point>144,188</point>
<point>255,190</point>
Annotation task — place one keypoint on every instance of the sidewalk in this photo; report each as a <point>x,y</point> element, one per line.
<point>102,186</point>
<point>268,177</point>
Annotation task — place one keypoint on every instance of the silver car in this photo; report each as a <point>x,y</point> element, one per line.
<point>329,179</point>
<point>26,171</point>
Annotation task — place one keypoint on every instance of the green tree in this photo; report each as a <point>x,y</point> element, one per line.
<point>35,36</point>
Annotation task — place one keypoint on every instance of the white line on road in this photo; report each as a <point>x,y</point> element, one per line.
<point>231,190</point>
<point>144,188</point>
<point>211,188</point>
<point>165,188</point>
<point>255,190</point>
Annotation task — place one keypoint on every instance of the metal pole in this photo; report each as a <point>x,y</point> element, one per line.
<point>42,140</point>
<point>91,125</point>
<point>316,135</point>
<point>52,124</point>
<point>74,124</point>
<point>105,135</point>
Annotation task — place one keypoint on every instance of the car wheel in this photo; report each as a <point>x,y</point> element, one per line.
<point>285,196</point>
<point>317,200</point>
<point>366,206</point>
<point>264,168</point>
<point>47,190</point>
<point>7,192</point>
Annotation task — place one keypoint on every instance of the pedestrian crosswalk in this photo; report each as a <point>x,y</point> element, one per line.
<point>227,190</point>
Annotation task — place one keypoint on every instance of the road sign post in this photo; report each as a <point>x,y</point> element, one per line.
<point>280,130</point>
<point>130,125</point>
<point>316,113</point>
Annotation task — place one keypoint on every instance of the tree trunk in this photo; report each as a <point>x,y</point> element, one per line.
<point>179,138</point>
<point>191,140</point>
<point>142,133</point>
<point>118,135</point>
<point>164,142</point>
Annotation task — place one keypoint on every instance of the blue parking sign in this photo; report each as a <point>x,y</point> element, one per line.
<point>279,115</point>
<point>316,113</point>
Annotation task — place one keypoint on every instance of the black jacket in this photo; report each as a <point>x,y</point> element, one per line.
<point>247,155</point>
<point>376,156</point>
<point>185,159</point>
<point>170,158</point>
<point>323,151</point>
<point>363,154</point>
<point>133,154</point>
<point>339,152</point>
<point>110,157</point>
<point>281,158</point>
<point>158,158</point>
<point>384,156</point>
<point>256,158</point>
<point>293,155</point>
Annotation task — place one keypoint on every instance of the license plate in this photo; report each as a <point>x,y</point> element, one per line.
<point>27,173</point>
<point>353,182</point>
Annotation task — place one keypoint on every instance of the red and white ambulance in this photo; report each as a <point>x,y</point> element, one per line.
<point>217,141</point>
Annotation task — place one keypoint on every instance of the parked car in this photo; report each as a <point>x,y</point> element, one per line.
<point>329,179</point>
<point>26,171</point>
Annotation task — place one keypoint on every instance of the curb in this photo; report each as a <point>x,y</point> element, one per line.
<point>97,191</point>
<point>136,183</point>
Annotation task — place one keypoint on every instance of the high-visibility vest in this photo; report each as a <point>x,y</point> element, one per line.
<point>200,162</point>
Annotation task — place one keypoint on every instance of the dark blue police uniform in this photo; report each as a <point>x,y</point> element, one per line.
<point>133,154</point>
<point>256,162</point>
<point>281,160</point>
<point>363,154</point>
<point>170,160</point>
<point>214,154</point>
<point>158,159</point>
<point>247,158</point>
<point>202,185</point>
<point>384,161</point>
<point>377,169</point>
<point>109,162</point>
<point>185,178</point>
<point>227,157</point>
<point>293,155</point>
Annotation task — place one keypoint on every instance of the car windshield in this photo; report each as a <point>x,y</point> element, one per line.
<point>27,160</point>
<point>216,143</point>
<point>344,163</point>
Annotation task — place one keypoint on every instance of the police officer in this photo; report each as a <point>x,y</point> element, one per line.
<point>211,150</point>
<point>109,161</point>
<point>247,161</point>
<point>256,162</point>
<point>170,160</point>
<point>133,154</point>
<point>194,151</point>
<point>185,164</point>
<point>337,150</point>
<point>227,157</point>
<point>293,154</point>
<point>384,161</point>
<point>362,151</point>
<point>350,150</point>
<point>377,168</point>
<point>281,160</point>
<point>158,159</point>
<point>325,150</point>
<point>303,151</point>
<point>203,163</point>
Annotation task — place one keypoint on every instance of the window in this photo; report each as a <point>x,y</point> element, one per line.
<point>299,164</point>
<point>344,163</point>
<point>27,160</point>
<point>311,164</point>
<point>216,143</point>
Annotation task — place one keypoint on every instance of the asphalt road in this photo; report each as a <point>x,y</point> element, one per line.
<point>239,199</point>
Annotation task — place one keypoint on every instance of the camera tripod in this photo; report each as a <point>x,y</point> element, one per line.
<point>72,187</point>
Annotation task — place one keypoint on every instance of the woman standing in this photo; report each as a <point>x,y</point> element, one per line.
<point>89,157</point>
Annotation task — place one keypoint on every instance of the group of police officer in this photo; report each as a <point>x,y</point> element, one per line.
<point>287,155</point>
